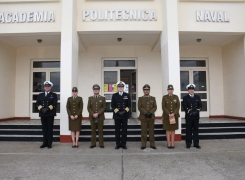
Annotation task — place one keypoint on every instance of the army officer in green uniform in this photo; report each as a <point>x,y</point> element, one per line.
<point>74,107</point>
<point>170,107</point>
<point>96,108</point>
<point>147,107</point>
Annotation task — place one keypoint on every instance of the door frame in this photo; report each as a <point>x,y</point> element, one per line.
<point>191,69</point>
<point>109,115</point>
<point>48,71</point>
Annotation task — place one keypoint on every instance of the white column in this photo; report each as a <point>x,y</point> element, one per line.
<point>69,61</point>
<point>170,49</point>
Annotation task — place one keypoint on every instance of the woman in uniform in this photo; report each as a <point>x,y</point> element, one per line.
<point>170,107</point>
<point>74,107</point>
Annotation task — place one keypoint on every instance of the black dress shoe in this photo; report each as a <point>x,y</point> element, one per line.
<point>91,147</point>
<point>43,146</point>
<point>188,146</point>
<point>102,147</point>
<point>117,147</point>
<point>124,147</point>
<point>197,146</point>
<point>50,146</point>
<point>142,148</point>
<point>153,147</point>
<point>169,147</point>
<point>172,147</point>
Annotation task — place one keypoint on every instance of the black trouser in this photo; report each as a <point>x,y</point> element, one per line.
<point>47,127</point>
<point>121,123</point>
<point>192,126</point>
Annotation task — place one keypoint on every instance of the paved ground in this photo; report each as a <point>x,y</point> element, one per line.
<point>218,159</point>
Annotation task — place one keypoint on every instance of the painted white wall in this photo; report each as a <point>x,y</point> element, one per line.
<point>215,73</point>
<point>234,75</point>
<point>187,16</point>
<point>23,74</point>
<point>7,80</point>
<point>149,70</point>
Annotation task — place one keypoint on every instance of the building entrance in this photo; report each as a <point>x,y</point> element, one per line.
<point>119,70</point>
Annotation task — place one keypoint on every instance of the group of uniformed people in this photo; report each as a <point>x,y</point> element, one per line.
<point>121,105</point>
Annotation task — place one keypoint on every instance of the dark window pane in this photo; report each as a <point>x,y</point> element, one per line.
<point>183,94</point>
<point>34,97</point>
<point>34,108</point>
<point>202,95</point>
<point>108,96</point>
<point>55,79</point>
<point>133,97</point>
<point>38,80</point>
<point>46,64</point>
<point>133,106</point>
<point>199,79</point>
<point>184,80</point>
<point>204,106</point>
<point>192,63</point>
<point>58,108</point>
<point>119,63</point>
<point>108,107</point>
<point>58,97</point>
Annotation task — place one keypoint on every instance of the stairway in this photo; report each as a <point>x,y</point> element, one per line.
<point>228,130</point>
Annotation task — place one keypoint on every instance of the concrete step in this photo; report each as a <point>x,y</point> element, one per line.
<point>206,131</point>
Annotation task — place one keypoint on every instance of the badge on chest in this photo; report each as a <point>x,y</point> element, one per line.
<point>125,97</point>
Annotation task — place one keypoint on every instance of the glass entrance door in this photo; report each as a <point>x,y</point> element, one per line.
<point>198,76</point>
<point>44,71</point>
<point>118,69</point>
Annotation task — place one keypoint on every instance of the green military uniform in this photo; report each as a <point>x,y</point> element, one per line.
<point>170,104</point>
<point>96,104</point>
<point>74,106</point>
<point>147,104</point>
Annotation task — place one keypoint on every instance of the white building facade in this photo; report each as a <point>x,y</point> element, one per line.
<point>156,42</point>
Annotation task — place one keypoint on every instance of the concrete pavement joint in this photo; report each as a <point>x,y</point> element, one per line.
<point>122,169</point>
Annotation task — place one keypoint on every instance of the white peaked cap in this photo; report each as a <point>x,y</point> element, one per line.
<point>48,83</point>
<point>120,82</point>
<point>190,85</point>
